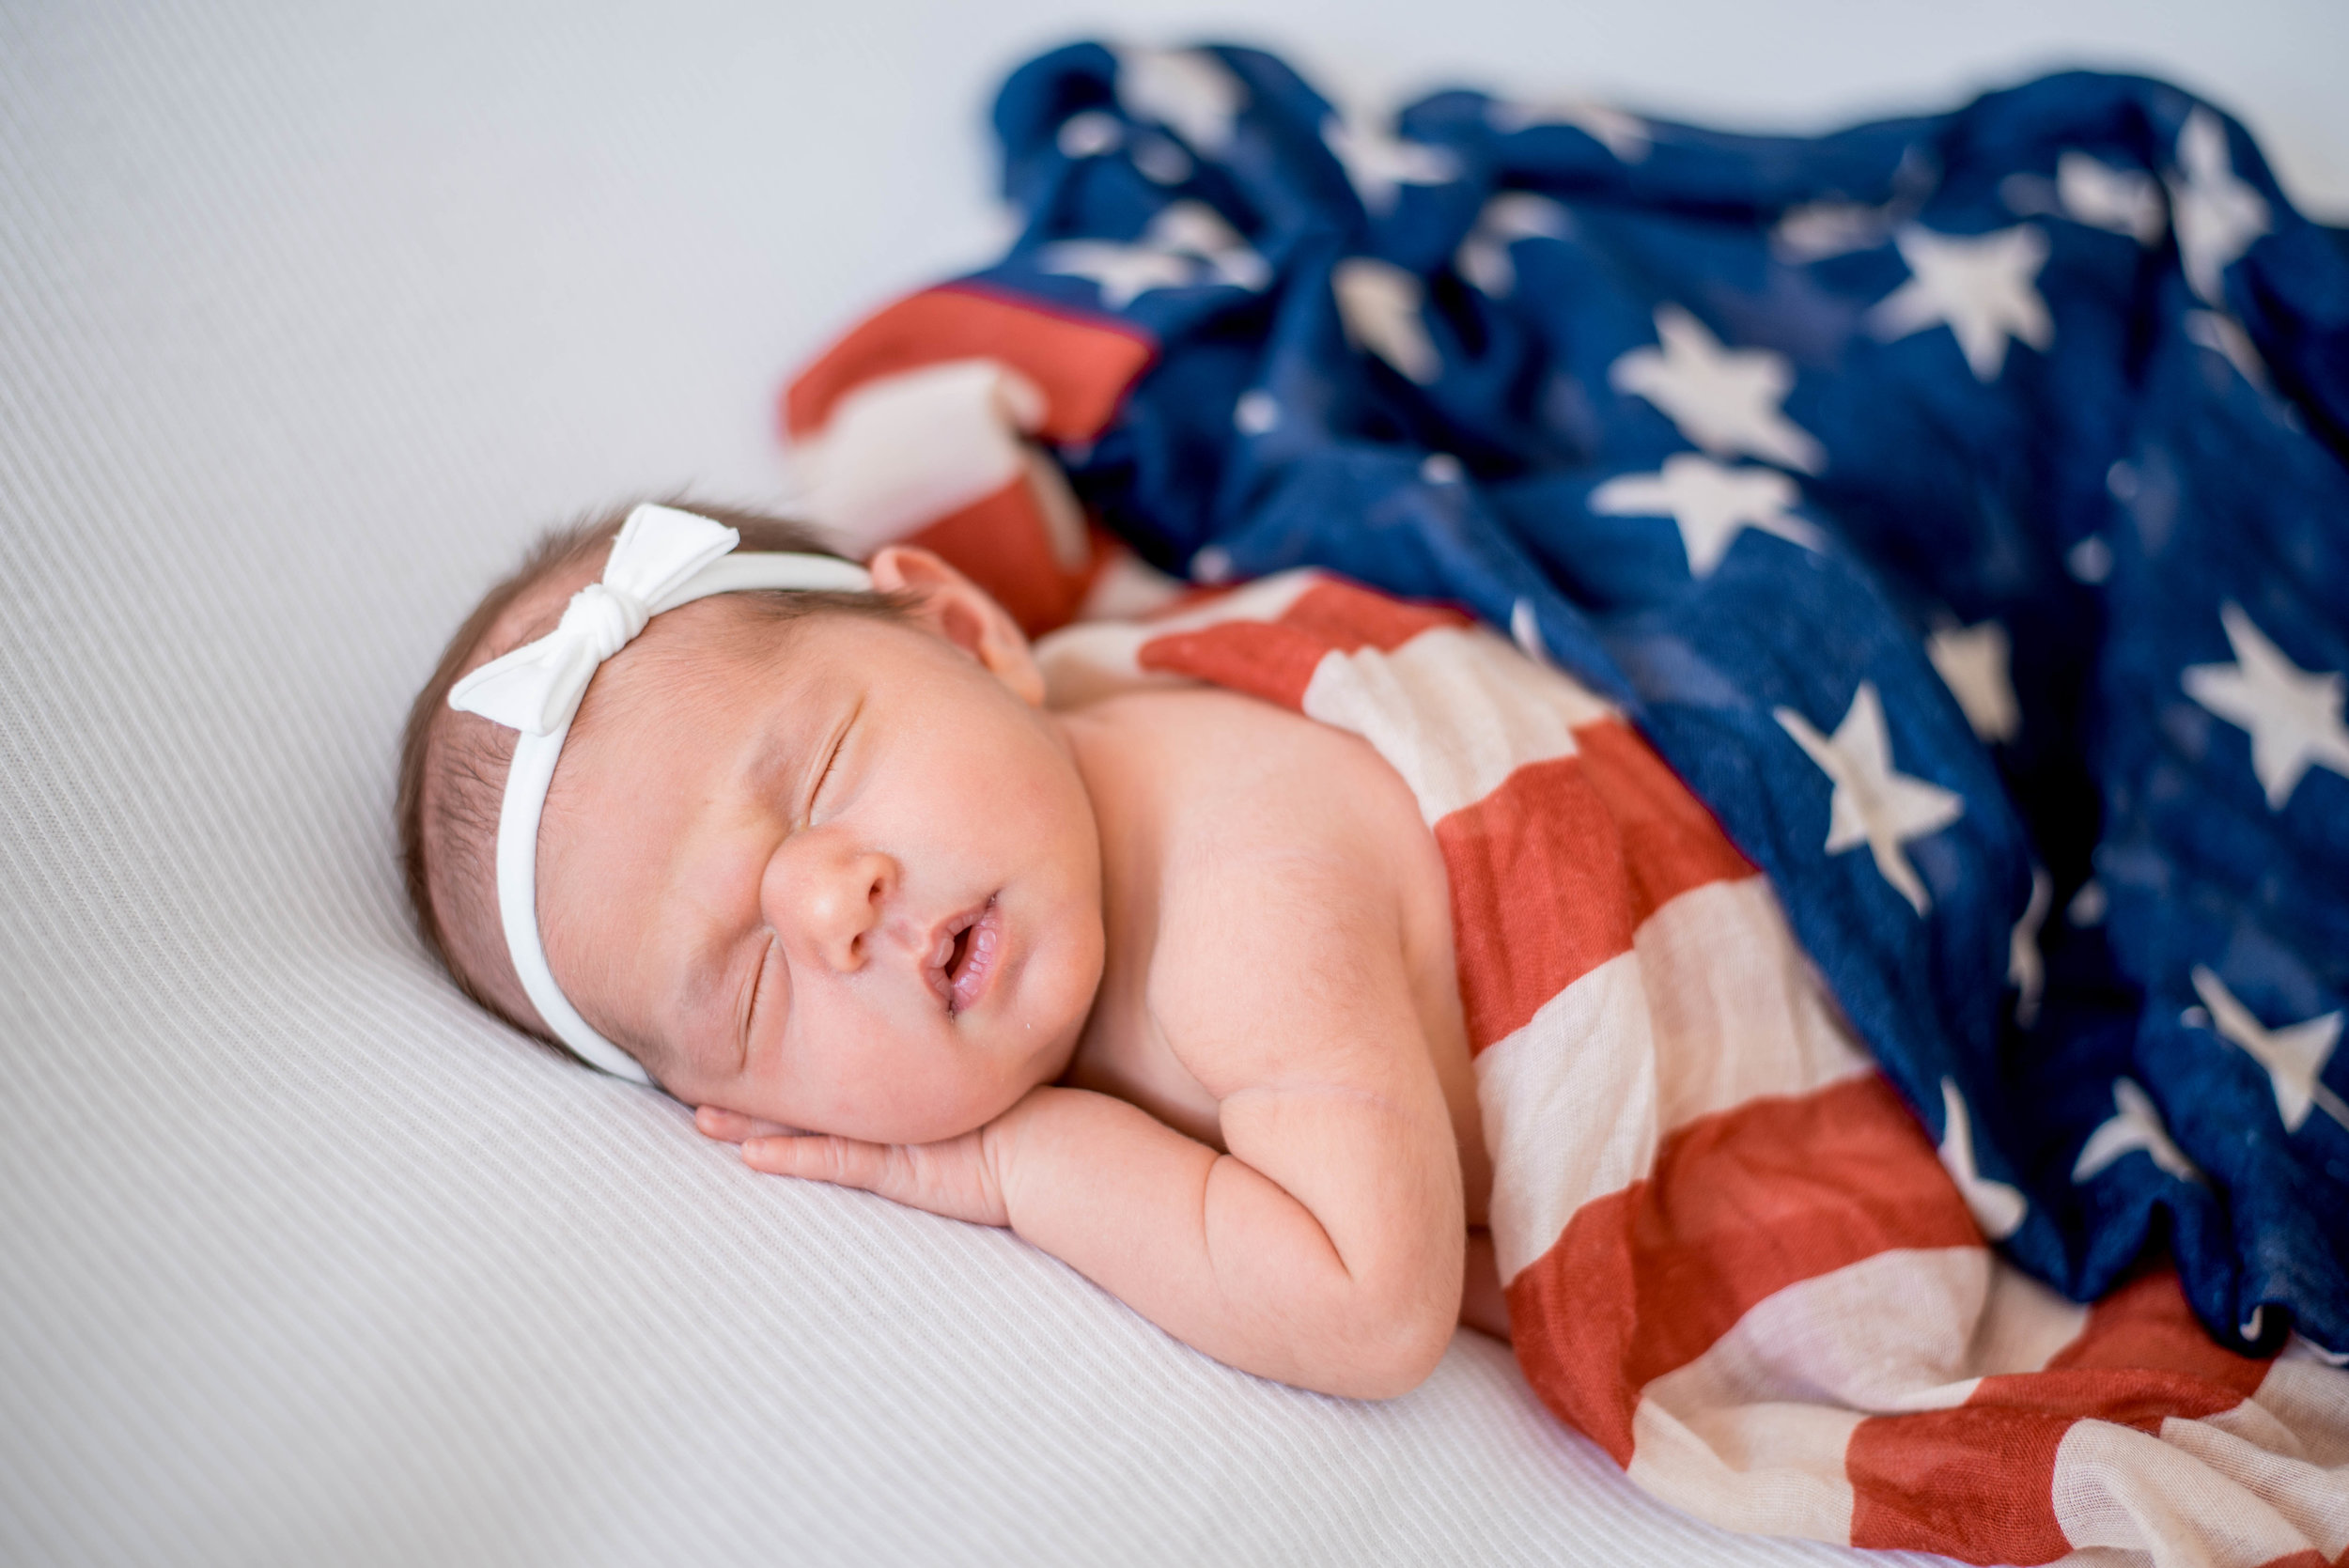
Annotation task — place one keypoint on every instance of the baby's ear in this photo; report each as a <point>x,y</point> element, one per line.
<point>961,612</point>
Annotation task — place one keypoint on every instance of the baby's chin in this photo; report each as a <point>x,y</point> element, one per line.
<point>978,1104</point>
<point>933,1122</point>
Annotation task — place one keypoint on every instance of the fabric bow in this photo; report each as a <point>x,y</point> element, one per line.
<point>536,688</point>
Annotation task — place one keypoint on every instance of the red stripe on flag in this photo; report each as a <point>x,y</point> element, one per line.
<point>1971,1483</point>
<point>1740,1205</point>
<point>1347,617</point>
<point>1978,1481</point>
<point>1552,873</point>
<point>1540,893</point>
<point>1264,659</point>
<point>1671,841</point>
<point>1276,660</point>
<point>2147,1331</point>
<point>1082,364</point>
<point>1003,543</point>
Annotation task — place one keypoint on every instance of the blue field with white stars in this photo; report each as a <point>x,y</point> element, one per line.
<point>1958,503</point>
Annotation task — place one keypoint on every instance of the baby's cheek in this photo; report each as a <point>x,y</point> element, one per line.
<point>858,1077</point>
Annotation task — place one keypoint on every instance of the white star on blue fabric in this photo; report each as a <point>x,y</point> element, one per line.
<point>2136,1127</point>
<point>1379,304</point>
<point>1484,257</point>
<point>1121,272</point>
<point>1188,90</point>
<point>1997,1208</point>
<point>2025,970</point>
<point>1160,161</point>
<point>1711,503</point>
<point>1195,228</point>
<point>1377,165</point>
<point>2223,336</point>
<point>2126,201</point>
<point>1625,137</point>
<point>1819,229</point>
<point>1982,287</point>
<point>1525,629</point>
<point>1188,244</point>
<point>1873,804</point>
<point>1725,401</point>
<point>2089,561</point>
<point>2292,1055</point>
<point>1972,662</point>
<point>1090,134</point>
<point>2214,215</point>
<point>2293,716</point>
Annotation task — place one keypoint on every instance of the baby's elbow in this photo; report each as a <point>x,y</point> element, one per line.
<point>1398,1350</point>
<point>1408,1364</point>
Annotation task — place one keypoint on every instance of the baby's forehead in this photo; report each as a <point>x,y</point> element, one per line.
<point>713,665</point>
<point>706,643</point>
<point>538,608</point>
<point>729,672</point>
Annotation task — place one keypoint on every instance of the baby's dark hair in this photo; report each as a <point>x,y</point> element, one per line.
<point>453,765</point>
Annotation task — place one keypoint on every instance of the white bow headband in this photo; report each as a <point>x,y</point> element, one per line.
<point>661,559</point>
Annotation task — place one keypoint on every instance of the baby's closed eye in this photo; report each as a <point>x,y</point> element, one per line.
<point>762,982</point>
<point>831,768</point>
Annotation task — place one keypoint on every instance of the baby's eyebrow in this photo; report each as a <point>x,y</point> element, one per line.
<point>778,750</point>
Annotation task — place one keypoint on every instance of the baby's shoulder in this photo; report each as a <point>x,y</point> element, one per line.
<point>1221,780</point>
<point>1280,865</point>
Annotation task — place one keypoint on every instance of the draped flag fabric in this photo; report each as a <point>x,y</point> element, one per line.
<point>1732,1256</point>
<point>1957,503</point>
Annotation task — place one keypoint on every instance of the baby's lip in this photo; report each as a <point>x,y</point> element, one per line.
<point>973,973</point>
<point>938,951</point>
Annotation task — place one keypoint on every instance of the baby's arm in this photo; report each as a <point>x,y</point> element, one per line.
<point>1326,1249</point>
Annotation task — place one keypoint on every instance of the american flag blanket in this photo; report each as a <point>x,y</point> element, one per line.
<point>1732,1255</point>
<point>1957,504</point>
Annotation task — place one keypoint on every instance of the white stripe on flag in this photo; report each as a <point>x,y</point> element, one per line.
<point>1569,1109</point>
<point>1713,1006</point>
<point>1752,1432</point>
<point>1456,709</point>
<point>1770,1469</point>
<point>1092,659</point>
<point>2116,1486</point>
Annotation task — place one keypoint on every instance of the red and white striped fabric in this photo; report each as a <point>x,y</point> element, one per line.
<point>922,425</point>
<point>1732,1256</point>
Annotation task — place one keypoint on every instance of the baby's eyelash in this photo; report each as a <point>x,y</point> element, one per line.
<point>758,993</point>
<point>832,763</point>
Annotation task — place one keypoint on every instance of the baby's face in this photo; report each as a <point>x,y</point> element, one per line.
<point>841,874</point>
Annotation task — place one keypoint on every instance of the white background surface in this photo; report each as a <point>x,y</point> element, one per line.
<point>309,316</point>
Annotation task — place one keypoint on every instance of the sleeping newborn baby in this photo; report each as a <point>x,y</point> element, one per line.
<point>1159,974</point>
<point>1298,964</point>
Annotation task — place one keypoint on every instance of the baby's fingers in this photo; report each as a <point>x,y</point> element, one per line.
<point>732,1126</point>
<point>842,1161</point>
<point>944,1178</point>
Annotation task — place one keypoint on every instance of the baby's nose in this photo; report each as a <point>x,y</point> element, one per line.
<point>842,902</point>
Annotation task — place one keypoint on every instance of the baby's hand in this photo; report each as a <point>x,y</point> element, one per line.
<point>956,1178</point>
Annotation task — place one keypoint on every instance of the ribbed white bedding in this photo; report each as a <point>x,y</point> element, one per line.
<point>308,316</point>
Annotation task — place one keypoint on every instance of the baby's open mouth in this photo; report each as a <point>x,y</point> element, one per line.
<point>963,961</point>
